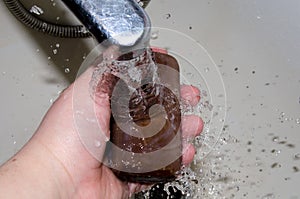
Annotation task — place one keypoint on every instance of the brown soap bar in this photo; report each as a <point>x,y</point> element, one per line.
<point>155,154</point>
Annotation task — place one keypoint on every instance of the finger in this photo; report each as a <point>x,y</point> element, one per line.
<point>145,187</point>
<point>90,114</point>
<point>188,154</point>
<point>192,126</point>
<point>102,92</point>
<point>101,97</point>
<point>159,50</point>
<point>190,94</point>
<point>102,112</point>
<point>134,188</point>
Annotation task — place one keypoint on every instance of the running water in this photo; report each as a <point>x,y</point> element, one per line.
<point>192,181</point>
<point>126,70</point>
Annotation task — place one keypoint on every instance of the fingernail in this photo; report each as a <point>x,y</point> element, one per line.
<point>159,50</point>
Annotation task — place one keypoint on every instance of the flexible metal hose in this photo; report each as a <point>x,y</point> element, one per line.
<point>65,31</point>
<point>20,12</point>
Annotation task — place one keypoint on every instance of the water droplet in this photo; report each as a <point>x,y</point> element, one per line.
<point>154,35</point>
<point>297,121</point>
<point>141,3</point>
<point>53,4</point>
<point>67,70</point>
<point>297,156</point>
<point>97,143</point>
<point>275,139</point>
<point>57,45</point>
<point>258,17</point>
<point>37,50</point>
<point>268,196</point>
<point>51,100</point>
<point>49,58</point>
<point>126,163</point>
<point>15,142</point>
<point>57,18</point>
<point>168,16</point>
<point>295,169</point>
<point>79,112</point>
<point>275,165</point>
<point>54,51</point>
<point>36,10</point>
<point>59,92</point>
<point>67,60</point>
<point>276,152</point>
<point>206,70</point>
<point>44,26</point>
<point>106,139</point>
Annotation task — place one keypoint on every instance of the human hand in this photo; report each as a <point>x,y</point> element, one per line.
<point>57,158</point>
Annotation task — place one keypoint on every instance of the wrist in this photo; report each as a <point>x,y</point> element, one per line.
<point>54,170</point>
<point>33,173</point>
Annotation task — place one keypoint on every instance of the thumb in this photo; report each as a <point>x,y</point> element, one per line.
<point>91,105</point>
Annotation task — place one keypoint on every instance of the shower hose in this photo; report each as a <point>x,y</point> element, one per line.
<point>64,31</point>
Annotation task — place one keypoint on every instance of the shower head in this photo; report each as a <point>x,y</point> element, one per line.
<point>120,22</point>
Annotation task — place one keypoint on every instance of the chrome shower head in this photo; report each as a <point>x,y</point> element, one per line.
<point>120,22</point>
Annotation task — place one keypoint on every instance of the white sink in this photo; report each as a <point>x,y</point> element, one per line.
<point>255,45</point>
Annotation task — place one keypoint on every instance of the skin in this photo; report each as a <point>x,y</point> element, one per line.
<point>55,164</point>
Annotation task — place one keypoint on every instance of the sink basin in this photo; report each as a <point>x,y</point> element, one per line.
<point>254,47</point>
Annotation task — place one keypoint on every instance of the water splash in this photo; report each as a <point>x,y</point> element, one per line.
<point>67,70</point>
<point>204,178</point>
<point>54,51</point>
<point>97,143</point>
<point>154,35</point>
<point>127,71</point>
